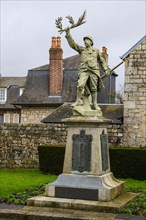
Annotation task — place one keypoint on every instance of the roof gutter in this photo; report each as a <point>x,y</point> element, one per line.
<point>37,104</point>
<point>16,106</point>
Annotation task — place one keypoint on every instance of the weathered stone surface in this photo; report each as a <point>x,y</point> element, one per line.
<point>129,104</point>
<point>97,188</point>
<point>111,206</point>
<point>18,143</point>
<point>11,212</point>
<point>135,98</point>
<point>32,114</point>
<point>92,126</point>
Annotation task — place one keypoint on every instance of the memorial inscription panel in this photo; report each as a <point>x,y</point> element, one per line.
<point>104,151</point>
<point>81,152</point>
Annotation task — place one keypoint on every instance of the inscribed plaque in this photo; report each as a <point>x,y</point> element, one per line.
<point>81,154</point>
<point>104,151</point>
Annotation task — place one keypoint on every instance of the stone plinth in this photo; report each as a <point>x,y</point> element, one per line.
<point>86,173</point>
<point>83,146</point>
<point>86,187</point>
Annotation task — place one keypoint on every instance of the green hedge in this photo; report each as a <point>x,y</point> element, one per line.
<point>125,162</point>
<point>51,158</point>
<point>128,162</point>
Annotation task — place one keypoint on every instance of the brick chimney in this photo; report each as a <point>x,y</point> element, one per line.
<point>104,54</point>
<point>56,67</point>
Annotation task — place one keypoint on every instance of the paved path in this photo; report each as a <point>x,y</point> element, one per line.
<point>12,212</point>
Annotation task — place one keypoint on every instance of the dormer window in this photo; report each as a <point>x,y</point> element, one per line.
<point>3,95</point>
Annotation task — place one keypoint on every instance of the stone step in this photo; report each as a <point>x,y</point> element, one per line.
<point>113,206</point>
<point>45,213</point>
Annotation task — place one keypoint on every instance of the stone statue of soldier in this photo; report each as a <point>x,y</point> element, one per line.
<point>89,80</point>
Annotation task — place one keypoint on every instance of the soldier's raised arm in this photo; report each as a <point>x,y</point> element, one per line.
<point>71,41</point>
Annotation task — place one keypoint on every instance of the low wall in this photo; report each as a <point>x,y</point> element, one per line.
<point>19,142</point>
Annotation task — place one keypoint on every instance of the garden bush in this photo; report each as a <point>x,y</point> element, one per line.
<point>128,162</point>
<point>51,158</point>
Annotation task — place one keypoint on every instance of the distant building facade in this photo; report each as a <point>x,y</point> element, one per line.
<point>135,95</point>
<point>10,89</point>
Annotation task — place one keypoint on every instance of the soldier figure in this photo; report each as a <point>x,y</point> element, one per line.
<point>89,80</point>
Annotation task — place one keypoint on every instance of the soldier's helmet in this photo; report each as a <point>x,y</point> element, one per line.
<point>90,38</point>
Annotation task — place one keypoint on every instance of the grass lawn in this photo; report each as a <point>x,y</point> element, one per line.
<point>135,185</point>
<point>17,180</point>
<point>138,206</point>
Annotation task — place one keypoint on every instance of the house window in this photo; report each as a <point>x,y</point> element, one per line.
<point>2,95</point>
<point>16,118</point>
<point>21,91</point>
<point>6,118</point>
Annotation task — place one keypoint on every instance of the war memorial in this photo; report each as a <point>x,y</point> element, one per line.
<point>87,182</point>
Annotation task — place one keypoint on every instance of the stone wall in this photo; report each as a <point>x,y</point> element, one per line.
<point>135,98</point>
<point>115,135</point>
<point>35,115</point>
<point>19,142</point>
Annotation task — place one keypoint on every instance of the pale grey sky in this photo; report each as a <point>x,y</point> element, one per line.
<point>27,28</point>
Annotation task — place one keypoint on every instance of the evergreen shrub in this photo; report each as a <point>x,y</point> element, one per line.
<point>51,158</point>
<point>128,162</point>
<point>125,162</point>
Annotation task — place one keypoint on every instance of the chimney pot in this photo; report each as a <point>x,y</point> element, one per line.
<point>58,41</point>
<point>104,54</point>
<point>54,42</point>
<point>104,50</point>
<point>56,67</point>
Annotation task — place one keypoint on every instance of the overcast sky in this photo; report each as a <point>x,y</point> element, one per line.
<point>27,28</point>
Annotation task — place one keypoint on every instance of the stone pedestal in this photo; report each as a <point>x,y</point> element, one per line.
<point>86,172</point>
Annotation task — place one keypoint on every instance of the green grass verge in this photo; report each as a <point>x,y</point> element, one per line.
<point>135,185</point>
<point>17,180</point>
<point>138,206</point>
